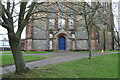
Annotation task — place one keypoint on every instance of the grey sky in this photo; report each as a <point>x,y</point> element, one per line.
<point>115,12</point>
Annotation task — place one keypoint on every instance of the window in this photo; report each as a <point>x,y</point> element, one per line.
<point>61,15</point>
<point>52,10</point>
<point>61,6</point>
<point>51,23</point>
<point>61,23</point>
<point>71,18</point>
<point>71,21</point>
<point>51,16</point>
<point>61,20</point>
<point>71,11</point>
<point>51,7</point>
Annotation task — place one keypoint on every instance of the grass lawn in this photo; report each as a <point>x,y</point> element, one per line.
<point>8,59</point>
<point>33,52</point>
<point>96,51</point>
<point>41,52</point>
<point>104,66</point>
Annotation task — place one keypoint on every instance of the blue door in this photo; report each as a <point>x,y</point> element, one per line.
<point>62,43</point>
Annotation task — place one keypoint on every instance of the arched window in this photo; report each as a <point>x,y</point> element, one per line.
<point>52,11</point>
<point>61,15</point>
<point>71,19</point>
<point>61,6</point>
<point>51,16</point>
<point>51,23</point>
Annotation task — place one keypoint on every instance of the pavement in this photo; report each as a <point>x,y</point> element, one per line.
<point>4,51</point>
<point>61,57</point>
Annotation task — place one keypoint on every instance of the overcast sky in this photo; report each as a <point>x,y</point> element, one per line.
<point>115,12</point>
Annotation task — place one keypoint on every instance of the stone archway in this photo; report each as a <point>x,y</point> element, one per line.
<point>66,35</point>
<point>62,42</point>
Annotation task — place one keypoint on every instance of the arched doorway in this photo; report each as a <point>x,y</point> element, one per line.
<point>62,43</point>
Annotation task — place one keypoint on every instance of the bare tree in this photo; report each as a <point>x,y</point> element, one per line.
<point>8,21</point>
<point>88,12</point>
<point>89,21</point>
<point>106,17</point>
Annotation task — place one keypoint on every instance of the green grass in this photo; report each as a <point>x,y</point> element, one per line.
<point>41,52</point>
<point>8,59</point>
<point>34,52</point>
<point>104,66</point>
<point>96,51</point>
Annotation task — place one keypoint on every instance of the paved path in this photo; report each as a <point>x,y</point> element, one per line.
<point>4,52</point>
<point>62,57</point>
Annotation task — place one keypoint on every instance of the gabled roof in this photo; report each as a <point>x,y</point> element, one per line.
<point>62,31</point>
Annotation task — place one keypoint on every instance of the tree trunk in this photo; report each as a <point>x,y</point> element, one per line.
<point>14,41</point>
<point>102,39</point>
<point>89,43</point>
<point>112,32</point>
<point>118,42</point>
<point>112,25</point>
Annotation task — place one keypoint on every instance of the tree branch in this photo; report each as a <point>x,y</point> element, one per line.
<point>21,13</point>
<point>25,21</point>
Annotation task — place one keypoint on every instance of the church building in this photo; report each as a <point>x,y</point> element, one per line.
<point>57,27</point>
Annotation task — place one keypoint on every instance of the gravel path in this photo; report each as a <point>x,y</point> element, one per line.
<point>62,57</point>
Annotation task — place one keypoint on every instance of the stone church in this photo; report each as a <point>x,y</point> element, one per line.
<point>57,27</point>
